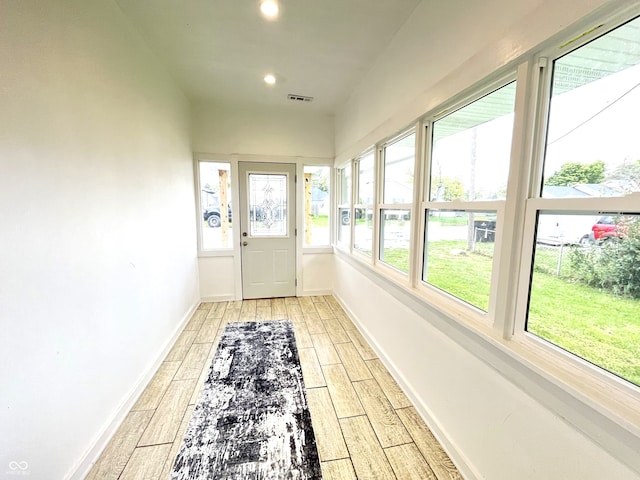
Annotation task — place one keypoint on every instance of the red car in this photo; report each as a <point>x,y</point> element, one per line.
<point>607,227</point>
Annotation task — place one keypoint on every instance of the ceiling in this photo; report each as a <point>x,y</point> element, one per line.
<point>220,50</point>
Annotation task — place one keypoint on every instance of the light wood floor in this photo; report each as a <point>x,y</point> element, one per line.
<point>365,426</point>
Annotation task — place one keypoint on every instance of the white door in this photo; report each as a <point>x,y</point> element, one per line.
<point>267,226</point>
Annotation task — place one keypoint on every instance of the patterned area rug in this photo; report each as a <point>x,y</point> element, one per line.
<point>251,420</point>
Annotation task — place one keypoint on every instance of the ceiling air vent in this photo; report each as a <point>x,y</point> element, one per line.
<point>299,98</point>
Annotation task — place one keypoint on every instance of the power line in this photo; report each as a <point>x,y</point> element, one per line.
<point>595,114</point>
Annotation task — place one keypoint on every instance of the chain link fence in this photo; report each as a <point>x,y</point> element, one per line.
<point>555,259</point>
<point>550,259</point>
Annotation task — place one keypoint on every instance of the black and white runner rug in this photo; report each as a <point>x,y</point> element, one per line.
<point>251,420</point>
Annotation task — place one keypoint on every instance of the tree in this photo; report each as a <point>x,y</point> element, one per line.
<point>572,173</point>
<point>448,189</point>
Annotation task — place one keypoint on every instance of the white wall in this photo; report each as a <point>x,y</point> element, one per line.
<point>247,130</point>
<point>98,254</point>
<point>217,278</point>
<point>490,425</point>
<point>491,428</point>
<point>317,273</point>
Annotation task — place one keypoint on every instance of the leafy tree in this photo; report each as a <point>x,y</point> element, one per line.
<point>453,189</point>
<point>323,184</point>
<point>572,173</point>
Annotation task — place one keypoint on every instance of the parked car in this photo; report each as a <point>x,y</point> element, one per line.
<point>608,227</point>
<point>564,229</point>
<point>211,214</point>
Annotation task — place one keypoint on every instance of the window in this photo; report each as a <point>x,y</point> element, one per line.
<point>344,205</point>
<point>584,294</point>
<point>472,149</point>
<point>317,205</point>
<point>469,165</point>
<point>363,209</point>
<point>216,219</point>
<point>459,254</point>
<point>397,201</point>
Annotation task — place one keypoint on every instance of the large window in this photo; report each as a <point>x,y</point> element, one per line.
<point>397,201</point>
<point>216,219</point>
<point>524,200</point>
<point>585,286</point>
<point>344,205</point>
<point>317,205</point>
<point>469,165</point>
<point>363,209</point>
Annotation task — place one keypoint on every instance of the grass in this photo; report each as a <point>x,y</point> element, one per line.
<point>467,275</point>
<point>601,328</point>
<point>547,260</point>
<point>320,220</point>
<point>397,258</point>
<point>596,325</point>
<point>448,221</point>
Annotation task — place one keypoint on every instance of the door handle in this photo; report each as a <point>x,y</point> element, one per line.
<point>244,244</point>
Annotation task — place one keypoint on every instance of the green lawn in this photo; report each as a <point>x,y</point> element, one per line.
<point>467,275</point>
<point>598,326</point>
<point>397,257</point>
<point>320,220</point>
<point>448,221</point>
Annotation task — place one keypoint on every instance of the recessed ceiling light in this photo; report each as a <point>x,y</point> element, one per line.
<point>269,8</point>
<point>269,79</point>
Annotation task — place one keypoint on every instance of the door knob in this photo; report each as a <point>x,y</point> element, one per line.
<point>244,244</point>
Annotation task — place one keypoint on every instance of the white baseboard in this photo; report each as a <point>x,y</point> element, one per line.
<point>219,298</point>
<point>317,293</point>
<point>230,297</point>
<point>81,469</point>
<point>457,457</point>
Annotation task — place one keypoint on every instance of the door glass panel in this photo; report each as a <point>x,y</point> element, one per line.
<point>268,204</point>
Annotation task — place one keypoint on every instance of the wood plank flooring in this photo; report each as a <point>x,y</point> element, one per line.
<point>365,426</point>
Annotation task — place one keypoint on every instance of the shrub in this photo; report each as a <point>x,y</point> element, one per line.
<point>613,265</point>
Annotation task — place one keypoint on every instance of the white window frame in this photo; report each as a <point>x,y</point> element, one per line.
<point>611,392</point>
<point>339,171</point>
<point>233,171</point>
<point>318,248</point>
<point>441,297</point>
<point>601,405</point>
<point>381,205</point>
<point>365,206</point>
